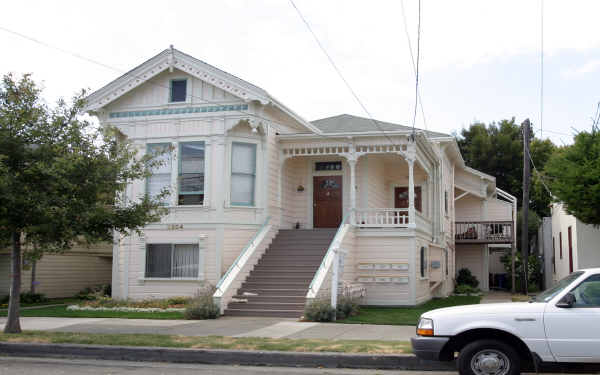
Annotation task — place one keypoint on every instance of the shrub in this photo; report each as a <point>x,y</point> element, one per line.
<point>178,300</point>
<point>4,299</point>
<point>466,289</point>
<point>465,277</point>
<point>95,292</point>
<point>319,311</point>
<point>202,306</point>
<point>347,307</point>
<point>29,297</point>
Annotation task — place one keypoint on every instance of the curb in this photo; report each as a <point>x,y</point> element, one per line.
<point>224,357</point>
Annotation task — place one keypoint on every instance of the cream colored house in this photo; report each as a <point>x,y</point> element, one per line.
<point>574,243</point>
<point>62,275</point>
<point>263,200</point>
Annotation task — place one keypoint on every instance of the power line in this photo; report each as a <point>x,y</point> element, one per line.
<point>335,67</point>
<point>120,71</point>
<point>412,60</point>
<point>417,68</point>
<point>541,68</point>
<point>541,178</point>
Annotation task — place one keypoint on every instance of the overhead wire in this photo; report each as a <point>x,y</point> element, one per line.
<point>335,67</point>
<point>412,60</point>
<point>542,68</point>
<point>417,68</point>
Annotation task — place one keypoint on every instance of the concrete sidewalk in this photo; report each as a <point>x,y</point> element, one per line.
<point>225,326</point>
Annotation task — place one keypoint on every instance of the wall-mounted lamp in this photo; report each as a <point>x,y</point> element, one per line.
<point>300,189</point>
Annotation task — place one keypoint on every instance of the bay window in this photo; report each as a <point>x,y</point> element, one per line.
<point>243,173</point>
<point>172,261</point>
<point>191,173</point>
<point>161,174</point>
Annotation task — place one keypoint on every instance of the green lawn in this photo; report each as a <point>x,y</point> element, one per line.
<point>62,312</point>
<point>408,316</point>
<point>212,342</point>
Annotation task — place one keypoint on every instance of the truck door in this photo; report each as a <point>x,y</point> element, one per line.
<point>573,333</point>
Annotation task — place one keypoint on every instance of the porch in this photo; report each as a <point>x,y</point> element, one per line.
<point>372,187</point>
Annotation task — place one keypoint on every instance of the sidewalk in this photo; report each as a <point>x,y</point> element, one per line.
<point>225,326</point>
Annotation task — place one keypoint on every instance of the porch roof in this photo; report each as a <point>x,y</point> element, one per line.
<point>346,123</point>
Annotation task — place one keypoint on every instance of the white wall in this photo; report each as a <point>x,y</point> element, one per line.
<point>560,224</point>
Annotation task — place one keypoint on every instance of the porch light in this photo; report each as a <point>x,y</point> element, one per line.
<point>300,188</point>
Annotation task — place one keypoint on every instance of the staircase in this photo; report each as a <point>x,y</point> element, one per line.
<point>278,284</point>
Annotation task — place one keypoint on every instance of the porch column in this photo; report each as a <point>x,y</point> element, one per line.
<point>352,164</point>
<point>411,193</point>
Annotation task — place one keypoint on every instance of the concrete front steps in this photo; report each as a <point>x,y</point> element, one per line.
<point>278,284</point>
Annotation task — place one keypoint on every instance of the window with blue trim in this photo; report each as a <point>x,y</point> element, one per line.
<point>160,180</point>
<point>178,90</point>
<point>243,173</point>
<point>191,173</point>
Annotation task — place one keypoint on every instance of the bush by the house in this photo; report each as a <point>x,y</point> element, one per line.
<point>92,293</point>
<point>27,298</point>
<point>347,307</point>
<point>319,311</point>
<point>202,306</point>
<point>157,303</point>
<point>465,277</point>
<point>466,289</point>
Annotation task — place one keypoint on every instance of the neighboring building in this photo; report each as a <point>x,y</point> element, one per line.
<point>546,252</point>
<point>62,275</point>
<point>245,171</point>
<point>575,244</point>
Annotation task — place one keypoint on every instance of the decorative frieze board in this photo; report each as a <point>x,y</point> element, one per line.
<point>179,111</point>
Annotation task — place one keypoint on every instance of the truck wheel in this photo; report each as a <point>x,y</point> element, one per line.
<point>488,357</point>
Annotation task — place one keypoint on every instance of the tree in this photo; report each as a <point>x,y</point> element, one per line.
<point>61,180</point>
<point>574,175</point>
<point>497,149</point>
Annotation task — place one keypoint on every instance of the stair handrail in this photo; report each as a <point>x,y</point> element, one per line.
<point>230,275</point>
<point>319,277</point>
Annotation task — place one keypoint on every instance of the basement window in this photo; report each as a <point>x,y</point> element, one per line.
<point>178,90</point>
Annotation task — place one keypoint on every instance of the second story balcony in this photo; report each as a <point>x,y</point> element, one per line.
<point>484,232</point>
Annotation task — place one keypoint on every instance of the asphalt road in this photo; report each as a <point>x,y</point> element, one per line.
<point>46,366</point>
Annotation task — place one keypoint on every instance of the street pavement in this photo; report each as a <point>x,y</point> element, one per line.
<point>45,366</point>
<point>225,326</point>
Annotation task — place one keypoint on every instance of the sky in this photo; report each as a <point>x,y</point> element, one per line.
<point>479,59</point>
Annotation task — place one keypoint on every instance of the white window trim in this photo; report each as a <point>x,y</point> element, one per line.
<point>427,263</point>
<point>258,177</point>
<point>188,90</point>
<point>200,241</point>
<point>207,169</point>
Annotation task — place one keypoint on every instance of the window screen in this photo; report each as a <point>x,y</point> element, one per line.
<point>191,173</point>
<point>178,90</point>
<point>243,173</point>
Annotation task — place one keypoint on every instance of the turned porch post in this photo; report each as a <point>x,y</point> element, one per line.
<point>352,164</point>
<point>411,193</point>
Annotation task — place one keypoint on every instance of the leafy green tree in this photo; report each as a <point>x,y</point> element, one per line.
<point>61,181</point>
<point>574,174</point>
<point>497,149</point>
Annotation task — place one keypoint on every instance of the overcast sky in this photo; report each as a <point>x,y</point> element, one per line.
<point>480,60</point>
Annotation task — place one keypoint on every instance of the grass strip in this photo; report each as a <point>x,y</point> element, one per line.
<point>406,315</point>
<point>62,312</point>
<point>212,342</point>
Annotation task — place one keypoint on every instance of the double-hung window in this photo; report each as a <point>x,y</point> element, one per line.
<point>191,173</point>
<point>243,173</point>
<point>172,261</point>
<point>161,173</point>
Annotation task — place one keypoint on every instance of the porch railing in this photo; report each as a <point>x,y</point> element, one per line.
<point>381,217</point>
<point>484,232</point>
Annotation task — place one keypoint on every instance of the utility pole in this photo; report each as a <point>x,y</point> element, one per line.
<point>525,218</point>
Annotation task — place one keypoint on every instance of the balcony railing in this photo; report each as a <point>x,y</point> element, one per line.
<point>381,217</point>
<point>484,232</point>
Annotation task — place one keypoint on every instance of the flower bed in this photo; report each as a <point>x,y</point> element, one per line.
<point>109,304</point>
<point>125,309</point>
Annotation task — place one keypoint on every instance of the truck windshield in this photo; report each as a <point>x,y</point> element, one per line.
<point>548,294</point>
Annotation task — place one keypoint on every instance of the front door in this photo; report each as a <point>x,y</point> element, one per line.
<point>327,201</point>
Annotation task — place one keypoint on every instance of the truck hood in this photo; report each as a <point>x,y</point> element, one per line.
<point>487,309</point>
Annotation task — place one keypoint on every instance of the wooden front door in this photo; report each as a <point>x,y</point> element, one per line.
<point>570,250</point>
<point>401,198</point>
<point>327,201</point>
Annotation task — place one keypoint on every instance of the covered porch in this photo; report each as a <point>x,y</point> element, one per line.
<point>370,186</point>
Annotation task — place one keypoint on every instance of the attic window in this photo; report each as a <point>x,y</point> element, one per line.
<point>178,90</point>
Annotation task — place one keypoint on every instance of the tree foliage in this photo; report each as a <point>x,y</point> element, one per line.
<point>574,174</point>
<point>497,149</point>
<point>61,180</point>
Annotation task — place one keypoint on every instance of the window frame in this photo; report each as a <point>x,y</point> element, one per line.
<point>200,274</point>
<point>166,202</point>
<point>185,100</point>
<point>424,260</point>
<point>232,173</point>
<point>179,174</point>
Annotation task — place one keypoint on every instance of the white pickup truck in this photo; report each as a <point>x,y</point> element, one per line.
<point>560,325</point>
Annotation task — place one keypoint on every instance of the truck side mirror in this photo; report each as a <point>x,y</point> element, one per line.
<point>567,301</point>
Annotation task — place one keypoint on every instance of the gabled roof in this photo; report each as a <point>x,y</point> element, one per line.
<point>354,124</point>
<point>172,58</point>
